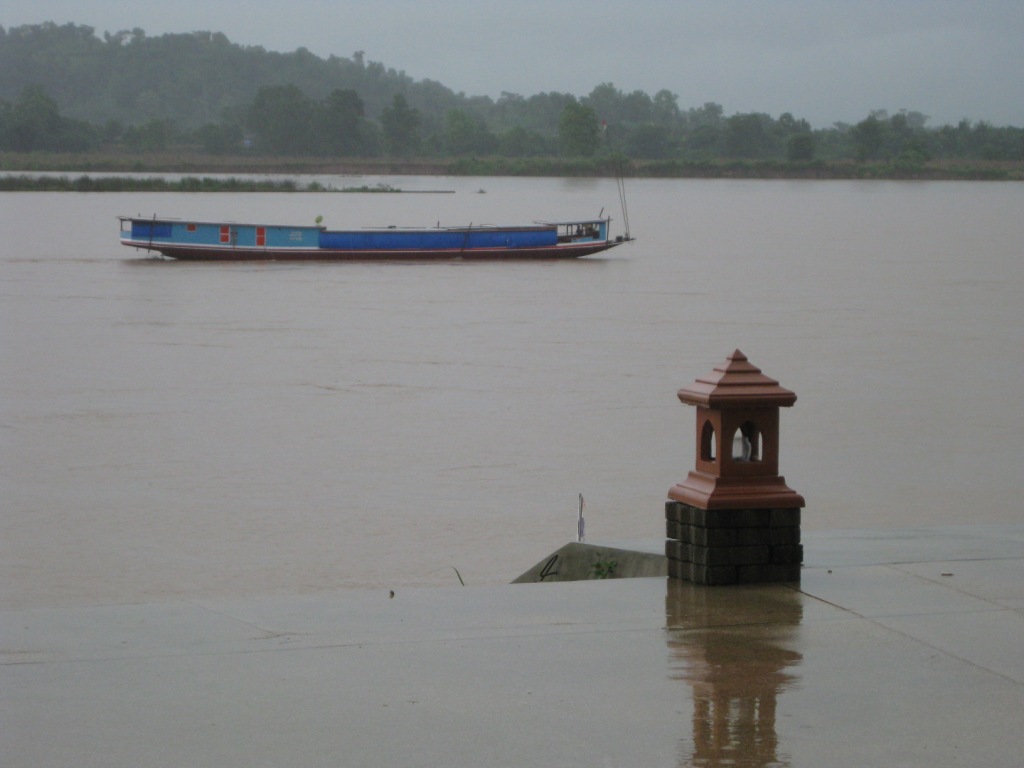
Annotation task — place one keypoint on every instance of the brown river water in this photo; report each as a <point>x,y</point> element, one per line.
<point>175,430</point>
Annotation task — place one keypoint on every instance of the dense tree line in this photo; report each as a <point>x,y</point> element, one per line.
<point>65,89</point>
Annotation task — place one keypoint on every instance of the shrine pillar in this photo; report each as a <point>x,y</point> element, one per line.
<point>733,520</point>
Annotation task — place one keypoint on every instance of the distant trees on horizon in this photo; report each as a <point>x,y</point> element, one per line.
<point>64,89</point>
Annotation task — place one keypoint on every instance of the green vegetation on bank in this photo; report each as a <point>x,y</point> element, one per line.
<point>63,173</point>
<point>197,103</point>
<point>29,183</point>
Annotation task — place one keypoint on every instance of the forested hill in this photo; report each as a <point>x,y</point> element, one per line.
<point>63,88</point>
<point>193,79</point>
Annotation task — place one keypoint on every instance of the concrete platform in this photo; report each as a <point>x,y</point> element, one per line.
<point>898,648</point>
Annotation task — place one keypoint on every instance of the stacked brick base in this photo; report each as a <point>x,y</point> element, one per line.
<point>732,546</point>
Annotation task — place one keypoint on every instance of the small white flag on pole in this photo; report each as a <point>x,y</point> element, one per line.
<point>581,524</point>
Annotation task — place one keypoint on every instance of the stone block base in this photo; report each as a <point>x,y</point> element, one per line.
<point>732,546</point>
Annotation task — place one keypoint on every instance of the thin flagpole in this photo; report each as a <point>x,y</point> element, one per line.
<point>581,523</point>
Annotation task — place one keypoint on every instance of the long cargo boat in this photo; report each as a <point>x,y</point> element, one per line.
<point>210,241</point>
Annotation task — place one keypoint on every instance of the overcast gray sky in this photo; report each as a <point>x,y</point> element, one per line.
<point>824,60</point>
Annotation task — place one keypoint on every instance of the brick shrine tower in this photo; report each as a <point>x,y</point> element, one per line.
<point>733,520</point>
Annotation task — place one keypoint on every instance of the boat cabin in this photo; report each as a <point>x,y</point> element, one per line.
<point>582,231</point>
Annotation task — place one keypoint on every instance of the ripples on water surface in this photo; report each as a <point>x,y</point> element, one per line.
<point>179,430</point>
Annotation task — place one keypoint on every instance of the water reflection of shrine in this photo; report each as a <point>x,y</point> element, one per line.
<point>734,647</point>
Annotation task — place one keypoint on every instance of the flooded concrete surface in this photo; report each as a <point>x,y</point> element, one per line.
<point>872,659</point>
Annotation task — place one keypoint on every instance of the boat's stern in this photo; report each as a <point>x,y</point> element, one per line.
<point>147,233</point>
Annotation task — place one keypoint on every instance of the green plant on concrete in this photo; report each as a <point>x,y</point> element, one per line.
<point>604,569</point>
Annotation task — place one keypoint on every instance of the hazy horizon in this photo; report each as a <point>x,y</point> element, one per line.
<point>827,63</point>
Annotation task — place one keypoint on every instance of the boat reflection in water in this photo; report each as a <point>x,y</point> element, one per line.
<point>733,647</point>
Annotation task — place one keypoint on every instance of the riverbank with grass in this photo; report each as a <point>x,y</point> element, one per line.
<point>86,183</point>
<point>202,173</point>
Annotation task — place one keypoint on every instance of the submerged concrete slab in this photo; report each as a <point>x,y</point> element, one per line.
<point>579,561</point>
<point>862,663</point>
